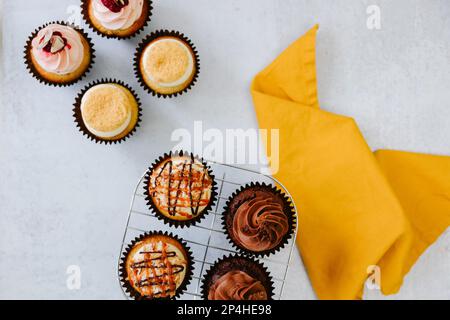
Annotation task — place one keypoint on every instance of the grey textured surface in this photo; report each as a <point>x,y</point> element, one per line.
<point>64,200</point>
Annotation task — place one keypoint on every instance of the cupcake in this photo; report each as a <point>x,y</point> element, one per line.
<point>107,111</point>
<point>180,189</point>
<point>259,219</point>
<point>166,63</point>
<point>58,54</point>
<point>237,278</point>
<point>117,18</point>
<point>156,266</point>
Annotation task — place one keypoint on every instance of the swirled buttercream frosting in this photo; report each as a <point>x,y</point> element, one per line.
<point>237,285</point>
<point>259,221</point>
<point>117,14</point>
<point>58,49</point>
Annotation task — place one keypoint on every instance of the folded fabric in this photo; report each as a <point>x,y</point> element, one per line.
<point>356,209</point>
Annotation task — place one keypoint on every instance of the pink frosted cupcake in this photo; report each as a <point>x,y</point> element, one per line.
<point>58,54</point>
<point>117,18</point>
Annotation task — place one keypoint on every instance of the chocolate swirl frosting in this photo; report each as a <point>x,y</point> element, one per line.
<point>259,222</point>
<point>237,285</point>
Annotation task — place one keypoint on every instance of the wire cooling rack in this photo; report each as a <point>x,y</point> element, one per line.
<point>207,239</point>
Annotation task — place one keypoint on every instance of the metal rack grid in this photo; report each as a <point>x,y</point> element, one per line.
<point>207,239</point>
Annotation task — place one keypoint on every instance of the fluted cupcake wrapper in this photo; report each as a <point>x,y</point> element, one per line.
<point>152,206</point>
<point>288,209</point>
<point>249,265</point>
<point>79,119</point>
<point>85,13</point>
<point>32,69</point>
<point>123,275</point>
<point>140,49</point>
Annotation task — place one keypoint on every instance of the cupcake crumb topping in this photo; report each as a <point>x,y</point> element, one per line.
<point>168,62</point>
<point>106,109</point>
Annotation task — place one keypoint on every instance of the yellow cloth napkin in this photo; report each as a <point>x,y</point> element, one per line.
<point>356,209</point>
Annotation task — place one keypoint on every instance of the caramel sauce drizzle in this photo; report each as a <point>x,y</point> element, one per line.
<point>166,277</point>
<point>182,182</point>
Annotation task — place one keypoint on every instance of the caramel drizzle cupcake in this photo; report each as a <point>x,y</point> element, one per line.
<point>181,187</point>
<point>156,269</point>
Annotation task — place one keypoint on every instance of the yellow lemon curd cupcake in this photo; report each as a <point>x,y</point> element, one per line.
<point>59,54</point>
<point>109,111</point>
<point>117,18</point>
<point>167,65</point>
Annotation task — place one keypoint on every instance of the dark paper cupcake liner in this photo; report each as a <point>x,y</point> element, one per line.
<point>129,289</point>
<point>85,13</point>
<point>32,69</point>
<point>288,209</point>
<point>242,263</point>
<point>79,120</point>
<point>154,208</point>
<point>140,50</point>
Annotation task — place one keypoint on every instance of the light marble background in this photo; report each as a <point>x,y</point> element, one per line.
<point>64,200</point>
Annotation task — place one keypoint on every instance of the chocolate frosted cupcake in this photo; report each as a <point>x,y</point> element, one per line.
<point>58,54</point>
<point>117,18</point>
<point>259,219</point>
<point>107,111</point>
<point>156,266</point>
<point>237,278</point>
<point>166,63</point>
<point>180,189</point>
